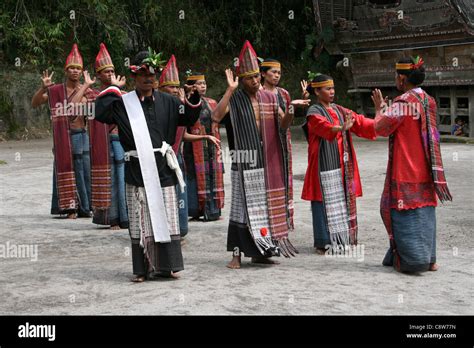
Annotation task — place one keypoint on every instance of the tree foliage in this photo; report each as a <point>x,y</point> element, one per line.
<point>204,35</point>
<point>41,33</point>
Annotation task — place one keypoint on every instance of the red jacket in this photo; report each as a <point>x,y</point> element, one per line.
<point>319,127</point>
<point>411,183</point>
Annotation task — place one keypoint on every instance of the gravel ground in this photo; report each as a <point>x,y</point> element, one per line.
<point>84,269</point>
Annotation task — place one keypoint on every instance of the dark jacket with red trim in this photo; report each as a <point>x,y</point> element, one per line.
<point>163,113</point>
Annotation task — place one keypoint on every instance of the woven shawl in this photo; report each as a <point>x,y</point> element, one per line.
<point>263,182</point>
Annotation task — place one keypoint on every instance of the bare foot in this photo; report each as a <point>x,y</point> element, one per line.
<point>183,241</point>
<point>234,263</point>
<point>138,279</point>
<point>264,260</point>
<point>174,275</point>
<point>115,227</point>
<point>434,267</point>
<point>72,216</point>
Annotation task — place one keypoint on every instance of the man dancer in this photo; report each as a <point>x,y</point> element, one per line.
<point>147,120</point>
<point>107,157</point>
<point>258,224</point>
<point>71,174</point>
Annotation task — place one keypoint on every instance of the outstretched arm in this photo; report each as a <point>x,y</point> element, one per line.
<point>287,117</point>
<point>362,126</point>
<point>187,137</point>
<point>325,129</point>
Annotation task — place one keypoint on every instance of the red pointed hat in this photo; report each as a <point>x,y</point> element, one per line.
<point>169,75</point>
<point>248,61</point>
<point>74,58</point>
<point>103,60</point>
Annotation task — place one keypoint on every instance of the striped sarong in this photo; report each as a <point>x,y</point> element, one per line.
<point>206,167</point>
<point>414,233</point>
<point>284,100</point>
<point>63,159</point>
<point>101,174</point>
<point>159,256</point>
<point>425,108</point>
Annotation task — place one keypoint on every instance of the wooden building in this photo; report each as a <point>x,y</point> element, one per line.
<point>371,35</point>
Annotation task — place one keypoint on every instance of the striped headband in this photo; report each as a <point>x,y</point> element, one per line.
<point>327,83</point>
<point>196,77</point>
<point>271,64</point>
<point>418,62</point>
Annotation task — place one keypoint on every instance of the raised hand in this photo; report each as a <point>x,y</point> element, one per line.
<point>121,81</point>
<point>304,92</point>
<point>232,82</point>
<point>378,99</point>
<point>117,80</point>
<point>46,79</point>
<point>181,95</point>
<point>87,79</point>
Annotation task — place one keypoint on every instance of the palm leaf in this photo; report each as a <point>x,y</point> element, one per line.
<point>154,59</point>
<point>312,75</point>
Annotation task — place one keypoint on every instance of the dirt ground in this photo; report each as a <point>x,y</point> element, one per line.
<point>84,269</point>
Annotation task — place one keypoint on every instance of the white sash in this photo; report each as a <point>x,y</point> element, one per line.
<point>167,152</point>
<point>146,156</point>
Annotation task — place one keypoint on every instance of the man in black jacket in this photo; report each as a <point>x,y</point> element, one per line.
<point>147,121</point>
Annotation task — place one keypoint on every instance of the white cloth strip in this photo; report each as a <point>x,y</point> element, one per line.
<point>171,160</point>
<point>146,156</point>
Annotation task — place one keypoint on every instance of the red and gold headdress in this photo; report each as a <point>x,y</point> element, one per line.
<point>169,76</point>
<point>248,61</point>
<point>74,59</point>
<point>103,59</point>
